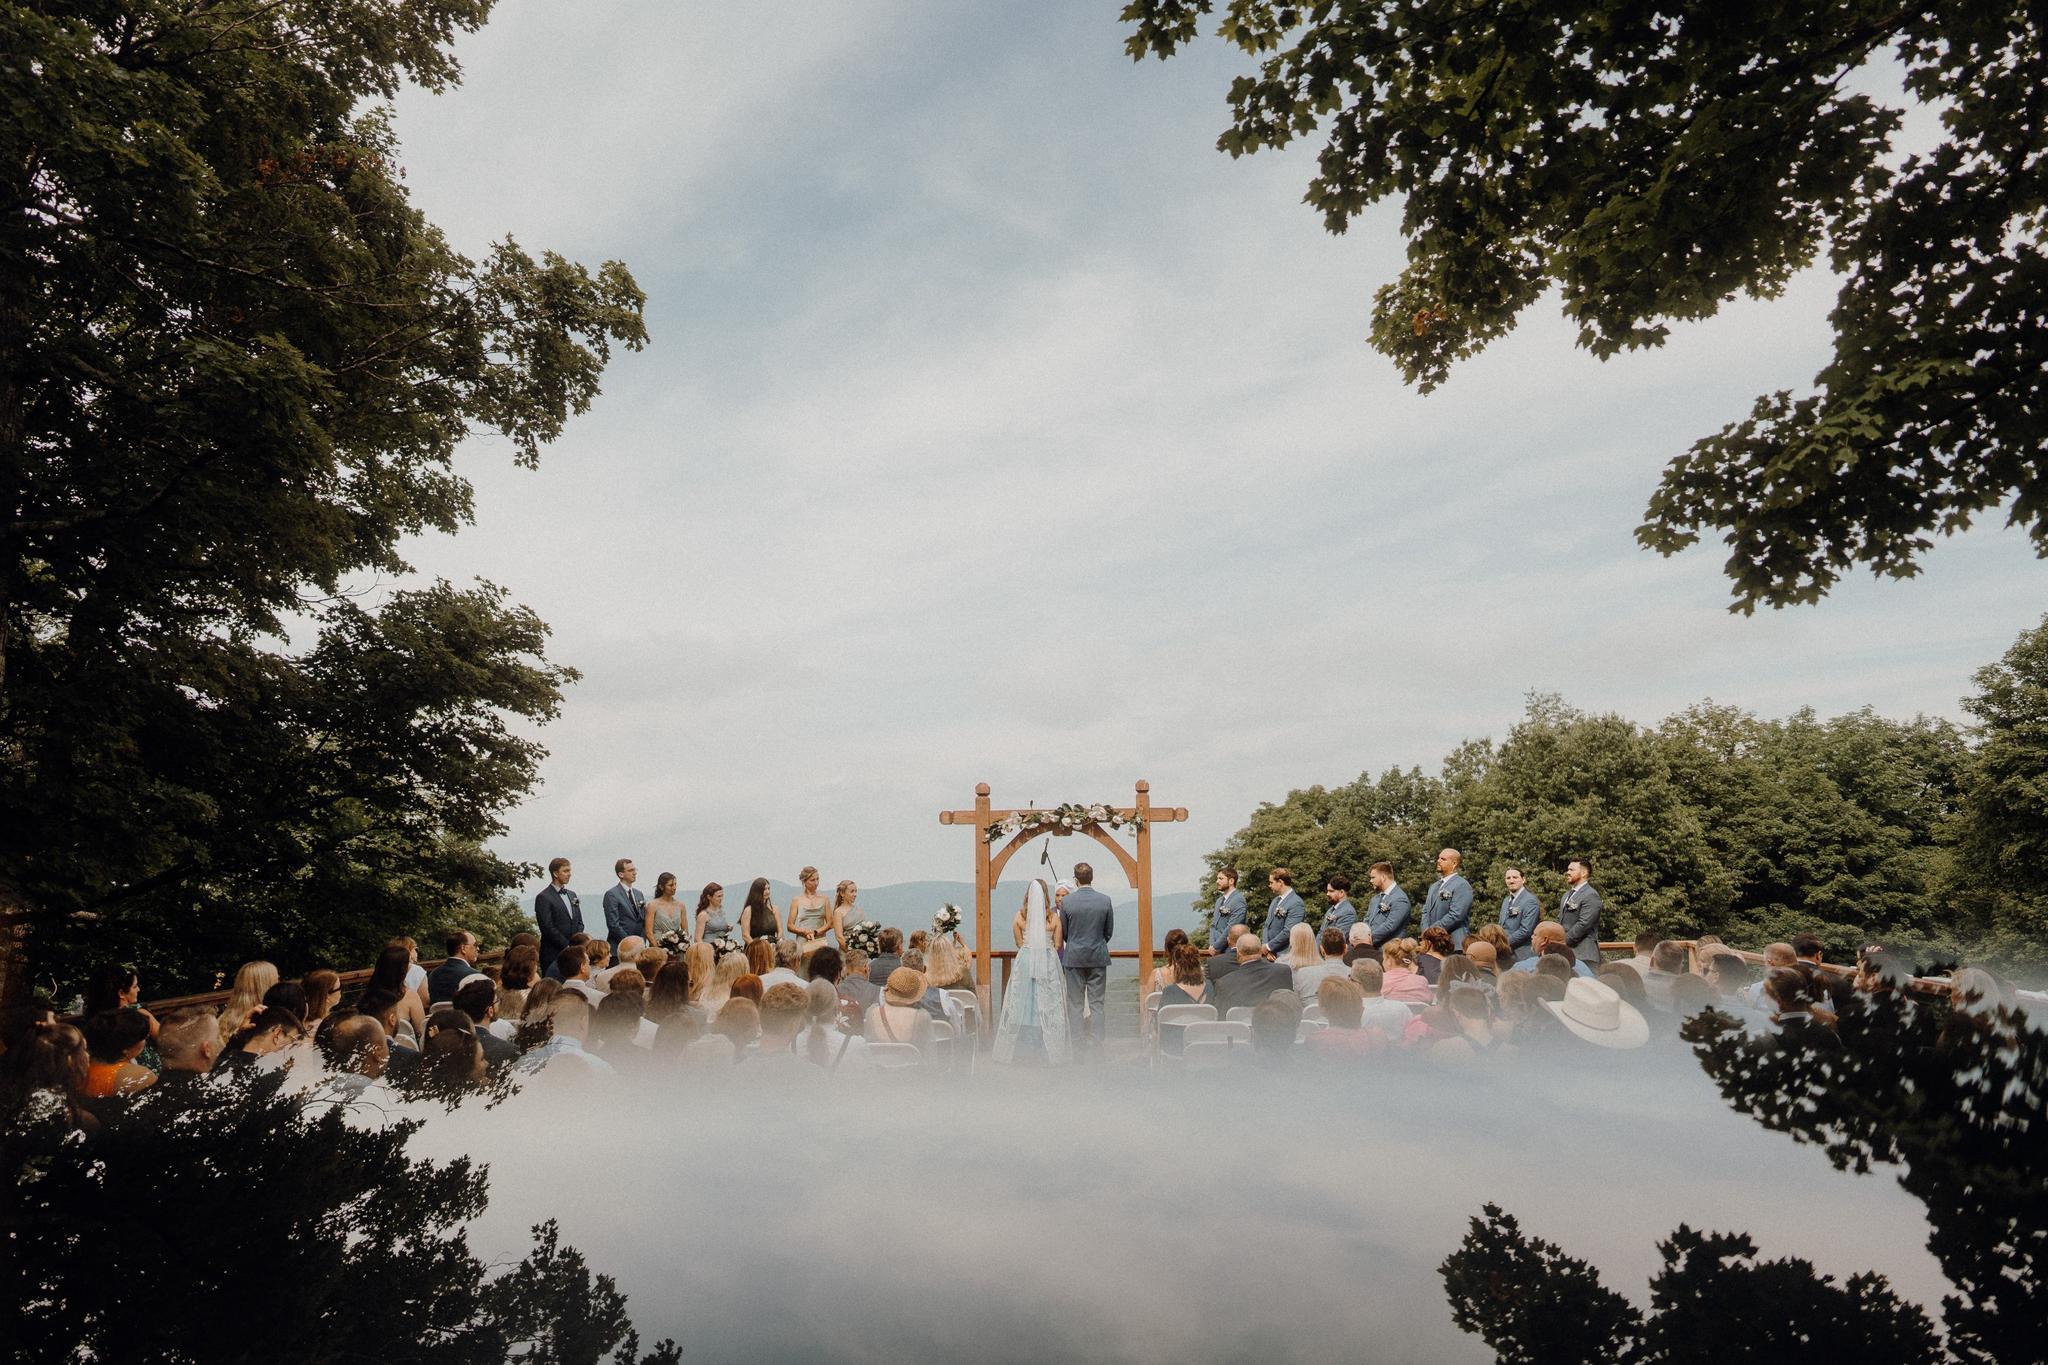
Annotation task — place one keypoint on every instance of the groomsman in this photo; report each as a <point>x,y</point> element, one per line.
<point>1343,911</point>
<point>1448,906</point>
<point>1230,910</point>
<point>1286,911</point>
<point>625,906</point>
<point>557,911</point>
<point>1387,915</point>
<point>1579,912</point>
<point>1519,911</point>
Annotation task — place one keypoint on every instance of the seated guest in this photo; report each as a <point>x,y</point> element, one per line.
<point>1667,965</point>
<point>1390,1017</point>
<point>746,987</point>
<point>784,1008</point>
<point>629,949</point>
<point>739,1021</point>
<point>392,973</point>
<point>1646,953</point>
<point>1401,979</point>
<point>251,980</point>
<point>1525,1023</point>
<point>616,1027</point>
<point>788,954</point>
<point>554,967</point>
<point>823,1042</point>
<point>1548,933</point>
<point>729,969</point>
<point>1344,1035</point>
<point>888,957</point>
<point>1185,989</point>
<point>1496,938</point>
<point>323,993</point>
<point>918,941</point>
<point>453,1059</point>
<point>478,998</point>
<point>516,975</point>
<point>272,1028</point>
<point>1879,971</point>
<point>1359,946</point>
<point>1689,995</point>
<point>1794,1000</point>
<point>459,967</point>
<point>901,1016</point>
<point>1626,982</point>
<point>669,993</point>
<point>114,1038</point>
<point>1776,955</point>
<point>1313,962</point>
<point>949,968</point>
<point>761,959</point>
<point>385,1008</point>
<point>1471,1014</point>
<point>1484,957</point>
<point>1275,1021</point>
<point>1592,1011</point>
<point>1163,975</point>
<point>854,983</point>
<point>599,951</point>
<point>1432,947</point>
<point>42,1074</point>
<point>848,977</point>
<point>572,970</point>
<point>566,1018</point>
<point>354,1047</point>
<point>937,1003</point>
<point>1222,964</point>
<point>1730,977</point>
<point>627,981</point>
<point>702,961</point>
<point>1253,979</point>
<point>650,962</point>
<point>188,1040</point>
<point>673,1036</point>
<point>292,996</point>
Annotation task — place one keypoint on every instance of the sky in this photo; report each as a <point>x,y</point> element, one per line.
<point>996,427</point>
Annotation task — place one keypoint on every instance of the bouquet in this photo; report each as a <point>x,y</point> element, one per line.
<point>674,943</point>
<point>723,944</point>
<point>865,936</point>
<point>947,921</point>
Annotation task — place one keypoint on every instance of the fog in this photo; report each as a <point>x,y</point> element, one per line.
<point>1111,1213</point>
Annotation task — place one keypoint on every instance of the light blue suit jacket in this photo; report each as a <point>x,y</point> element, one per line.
<point>1518,916</point>
<point>1449,906</point>
<point>1387,915</point>
<point>1281,917</point>
<point>1342,915</point>
<point>1229,910</point>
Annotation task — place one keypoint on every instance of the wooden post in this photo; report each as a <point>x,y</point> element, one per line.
<point>984,927</point>
<point>1144,809</point>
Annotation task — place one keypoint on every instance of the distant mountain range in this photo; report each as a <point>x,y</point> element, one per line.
<point>911,905</point>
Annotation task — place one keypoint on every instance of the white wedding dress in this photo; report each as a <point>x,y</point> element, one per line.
<point>1034,1018</point>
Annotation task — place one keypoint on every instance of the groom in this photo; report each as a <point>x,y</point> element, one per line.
<point>1086,920</point>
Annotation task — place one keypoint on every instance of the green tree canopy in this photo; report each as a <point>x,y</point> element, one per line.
<point>235,367</point>
<point>2003,844</point>
<point>1652,162</point>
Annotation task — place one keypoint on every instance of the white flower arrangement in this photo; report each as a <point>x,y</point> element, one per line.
<point>1067,818</point>
<point>947,921</point>
<point>674,943</point>
<point>865,936</point>
<point>723,944</point>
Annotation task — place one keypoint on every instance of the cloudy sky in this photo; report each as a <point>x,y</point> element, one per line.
<point>997,427</point>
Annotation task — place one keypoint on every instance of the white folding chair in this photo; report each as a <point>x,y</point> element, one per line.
<point>1229,1032</point>
<point>1179,1017</point>
<point>1207,1055</point>
<point>970,1023</point>
<point>893,1056</point>
<point>1307,1026</point>
<point>1311,1010</point>
<point>942,1044</point>
<point>1241,1015</point>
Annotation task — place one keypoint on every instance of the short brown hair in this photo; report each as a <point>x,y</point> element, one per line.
<point>760,956</point>
<point>1342,1000</point>
<point>1281,875</point>
<point>598,951</point>
<point>556,865</point>
<point>1228,871</point>
<point>1384,869</point>
<point>784,1002</point>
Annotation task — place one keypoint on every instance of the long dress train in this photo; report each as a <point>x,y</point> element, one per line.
<point>1034,1020</point>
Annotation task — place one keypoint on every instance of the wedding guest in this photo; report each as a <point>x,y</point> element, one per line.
<point>1309,961</point>
<point>1646,949</point>
<point>760,956</point>
<point>1163,975</point>
<point>901,1016</point>
<point>1343,911</point>
<point>746,986</point>
<point>810,916</point>
<point>666,914</point>
<point>1730,977</point>
<point>629,948</point>
<point>823,1042</point>
<point>1524,1024</point>
<point>788,952</point>
<point>458,967</point>
<point>888,957</point>
<point>845,910</point>
<point>1401,979</point>
<point>385,1007</point>
<point>710,917</point>
<point>1229,913</point>
<point>1360,946</point>
<point>415,974</point>
<point>599,953</point>
<point>1275,1021</point>
<point>854,986</point>
<point>1667,966</point>
<point>784,1010</point>
<point>271,1028</point>
<point>628,981</point>
<point>1689,995</point>
<point>578,941</point>
<point>1578,910</point>
<point>323,993</point>
<point>113,1040</point>
<point>758,917</point>
<point>44,1070</point>
<point>251,980</point>
<point>936,1002</point>
<point>669,994</point>
<point>1595,1014</point>
<point>389,974</point>
<point>1483,957</point>
<point>1472,1016</point>
<point>1623,980</point>
<point>1189,982</point>
<point>189,1042</point>
<point>1252,980</point>
<point>1283,912</point>
<point>650,961</point>
<point>625,907</point>
<point>1497,938</point>
<point>572,971</point>
<point>1794,1002</point>
<point>1345,1034</point>
<point>567,1017</point>
<point>730,969</point>
<point>1550,934</point>
<point>617,1026</point>
<point>739,1023</point>
<point>947,968</point>
<point>1879,970</point>
<point>1776,955</point>
<point>477,998</point>
<point>356,1052</point>
<point>1448,903</point>
<point>1387,914</point>
<point>112,987</point>
<point>453,1060</point>
<point>1432,948</point>
<point>1390,1017</point>
<point>1520,912</point>
<point>917,941</point>
<point>533,1019</point>
<point>700,959</point>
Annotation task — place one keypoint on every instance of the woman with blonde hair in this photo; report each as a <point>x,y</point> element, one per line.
<point>946,967</point>
<point>252,979</point>
<point>810,916</point>
<point>730,968</point>
<point>845,911</point>
<point>701,959</point>
<point>1312,960</point>
<point>1401,981</point>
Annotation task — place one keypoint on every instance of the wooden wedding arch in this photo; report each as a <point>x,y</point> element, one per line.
<point>989,864</point>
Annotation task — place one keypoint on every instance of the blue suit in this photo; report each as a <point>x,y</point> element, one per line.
<point>1342,916</point>
<point>1088,922</point>
<point>1230,909</point>
<point>1518,916</point>
<point>1387,916</point>
<point>625,914</point>
<point>1448,906</point>
<point>1281,917</point>
<point>558,914</point>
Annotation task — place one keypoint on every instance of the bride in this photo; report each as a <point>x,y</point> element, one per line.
<point>1034,1019</point>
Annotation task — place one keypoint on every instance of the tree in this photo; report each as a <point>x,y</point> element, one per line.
<point>1651,162</point>
<point>330,1242</point>
<point>235,366</point>
<point>1712,1303</point>
<point>2003,832</point>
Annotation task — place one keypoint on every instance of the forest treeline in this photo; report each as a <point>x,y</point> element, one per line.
<point>1920,833</point>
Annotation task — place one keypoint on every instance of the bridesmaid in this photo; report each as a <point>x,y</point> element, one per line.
<point>664,912</point>
<point>711,921</point>
<point>759,919</point>
<point>845,913</point>
<point>810,918</point>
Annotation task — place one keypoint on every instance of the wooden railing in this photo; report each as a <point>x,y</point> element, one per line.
<point>350,981</point>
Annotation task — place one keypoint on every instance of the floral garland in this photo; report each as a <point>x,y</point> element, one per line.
<point>1068,818</point>
<point>865,936</point>
<point>947,921</point>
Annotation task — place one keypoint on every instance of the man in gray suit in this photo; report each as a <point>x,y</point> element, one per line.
<point>1343,911</point>
<point>1387,915</point>
<point>1230,910</point>
<point>1579,912</point>
<point>1286,910</point>
<point>625,906</point>
<point>1448,905</point>
<point>1519,912</point>
<point>1087,921</point>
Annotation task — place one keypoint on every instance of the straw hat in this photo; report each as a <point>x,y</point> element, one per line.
<point>904,987</point>
<point>1597,1014</point>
